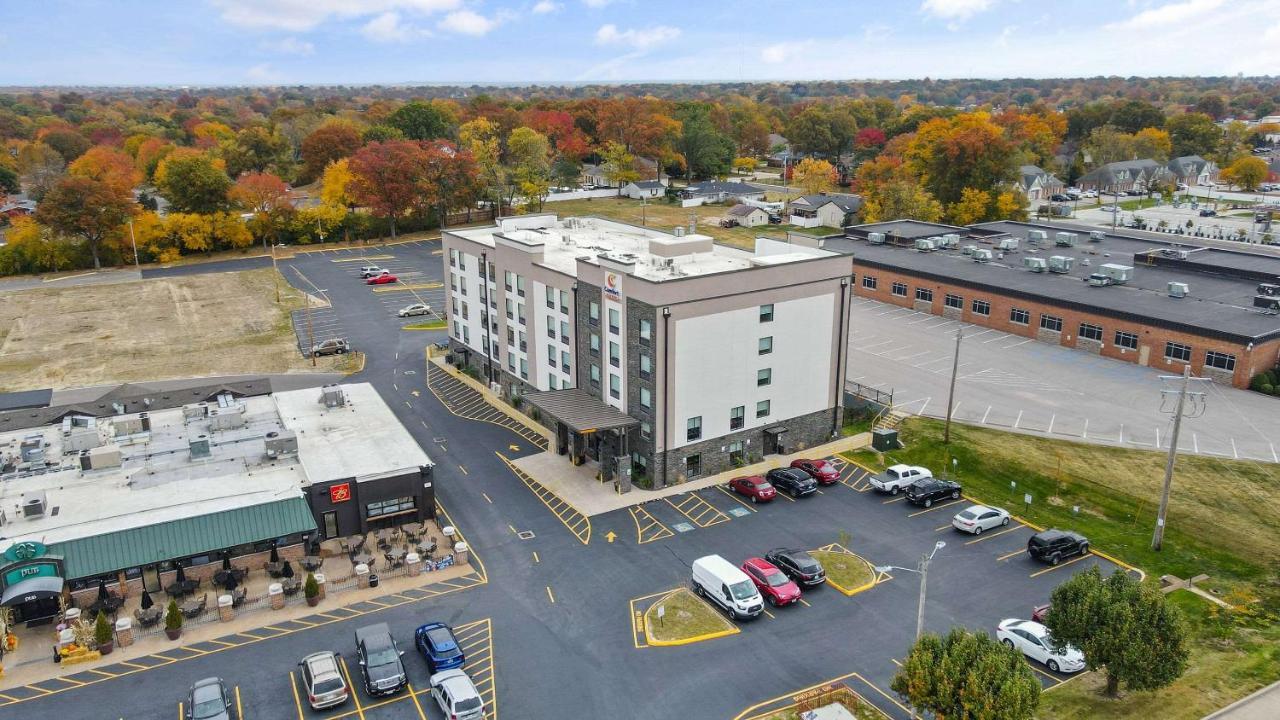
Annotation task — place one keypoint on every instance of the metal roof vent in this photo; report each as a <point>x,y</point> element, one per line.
<point>200,447</point>
<point>1179,289</point>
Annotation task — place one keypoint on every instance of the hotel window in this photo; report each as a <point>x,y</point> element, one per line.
<point>462,261</point>
<point>551,327</point>
<point>564,301</point>
<point>462,285</point>
<point>595,376</point>
<point>736,417</point>
<point>464,311</point>
<point>551,382</point>
<point>524,346</point>
<point>453,281</point>
<point>595,313</point>
<point>1221,361</point>
<point>520,285</point>
<point>511,362</point>
<point>453,257</point>
<point>693,466</point>
<point>524,369</point>
<point>615,321</point>
<point>1050,322</point>
<point>924,294</point>
<point>869,282</point>
<point>466,334</point>
<point>564,331</point>
<point>520,313</point>
<point>1019,316</point>
<point>646,332</point>
<point>646,398</point>
<point>762,409</point>
<point>615,386</point>
<point>765,346</point>
<point>981,307</point>
<point>737,456</point>
<point>511,309</point>
<point>551,355</point>
<point>595,344</point>
<point>615,354</point>
<point>766,313</point>
<point>899,289</point>
<point>510,278</point>
<point>953,301</point>
<point>1177,351</point>
<point>646,430</point>
<point>646,366</point>
<point>693,428</point>
<point>551,297</point>
<point>1090,332</point>
<point>564,361</point>
<point>764,377</point>
<point>1126,340</point>
<point>457,329</point>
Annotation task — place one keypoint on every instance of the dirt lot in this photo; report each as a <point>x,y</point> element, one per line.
<point>201,325</point>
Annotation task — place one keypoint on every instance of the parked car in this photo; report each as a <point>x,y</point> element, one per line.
<point>414,309</point>
<point>1032,639</point>
<point>383,279</point>
<point>791,481</point>
<point>456,695</point>
<point>332,346</point>
<point>977,518</point>
<point>369,271</point>
<point>1091,193</point>
<point>208,699</point>
<point>798,565</point>
<point>322,679</point>
<point>1039,611</point>
<point>930,490</point>
<point>754,487</point>
<point>821,470</point>
<point>1060,198</point>
<point>438,646</point>
<point>771,582</point>
<point>898,477</point>
<point>1182,186</point>
<point>1208,212</point>
<point>379,658</point>
<point>1109,208</point>
<point>1052,545</point>
<point>1134,192</point>
<point>775,219</point>
<point>726,586</point>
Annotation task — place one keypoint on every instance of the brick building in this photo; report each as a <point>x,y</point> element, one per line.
<point>1180,304</point>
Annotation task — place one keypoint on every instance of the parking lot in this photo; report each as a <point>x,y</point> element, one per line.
<point>1017,383</point>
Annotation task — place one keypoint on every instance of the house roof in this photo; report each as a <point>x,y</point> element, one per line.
<point>743,210</point>
<point>647,184</point>
<point>131,397</point>
<point>716,187</point>
<point>1125,170</point>
<point>847,203</point>
<point>1188,165</point>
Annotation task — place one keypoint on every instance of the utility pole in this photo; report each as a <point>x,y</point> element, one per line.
<point>132,238</point>
<point>275,274</point>
<point>1157,539</point>
<point>951,393</point>
<point>311,338</point>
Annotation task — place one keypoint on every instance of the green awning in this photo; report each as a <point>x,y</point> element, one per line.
<point>140,546</point>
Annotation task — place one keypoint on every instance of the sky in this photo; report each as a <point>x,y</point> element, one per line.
<point>270,42</point>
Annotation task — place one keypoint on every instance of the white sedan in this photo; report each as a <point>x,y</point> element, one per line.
<point>1032,639</point>
<point>415,309</point>
<point>976,518</point>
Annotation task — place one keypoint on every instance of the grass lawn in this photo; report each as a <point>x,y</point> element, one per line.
<point>426,325</point>
<point>662,215</point>
<point>845,570</point>
<point>1222,520</point>
<point>686,616</point>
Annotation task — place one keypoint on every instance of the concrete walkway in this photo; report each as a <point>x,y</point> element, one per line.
<point>1262,705</point>
<point>579,486</point>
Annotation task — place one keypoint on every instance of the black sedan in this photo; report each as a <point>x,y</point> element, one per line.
<point>792,481</point>
<point>208,700</point>
<point>928,491</point>
<point>797,565</point>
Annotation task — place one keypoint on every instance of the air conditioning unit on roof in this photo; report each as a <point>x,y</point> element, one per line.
<point>1035,264</point>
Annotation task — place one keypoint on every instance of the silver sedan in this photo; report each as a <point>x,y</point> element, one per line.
<point>976,518</point>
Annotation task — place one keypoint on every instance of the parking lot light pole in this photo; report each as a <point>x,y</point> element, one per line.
<point>923,570</point>
<point>951,393</point>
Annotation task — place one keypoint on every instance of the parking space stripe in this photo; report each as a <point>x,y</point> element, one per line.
<point>988,536</point>
<point>1006,556</point>
<point>935,507</point>
<point>1059,566</point>
<point>648,528</point>
<point>702,513</point>
<point>736,499</point>
<point>573,519</point>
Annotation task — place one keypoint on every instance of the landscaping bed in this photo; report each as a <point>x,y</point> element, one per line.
<point>686,619</point>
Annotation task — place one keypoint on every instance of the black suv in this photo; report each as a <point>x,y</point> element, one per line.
<point>1052,545</point>
<point>929,490</point>
<point>380,663</point>
<point>797,565</point>
<point>792,481</point>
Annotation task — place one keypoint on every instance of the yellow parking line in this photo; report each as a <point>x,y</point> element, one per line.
<point>180,713</point>
<point>1051,568</point>
<point>239,709</point>
<point>551,595</point>
<point>988,536</point>
<point>297,701</point>
<point>736,499</point>
<point>355,693</point>
<point>1006,556</point>
<point>766,612</point>
<point>935,507</point>
<point>900,498</point>
<point>413,695</point>
<point>805,602</point>
<point>940,528</point>
<point>1032,665</point>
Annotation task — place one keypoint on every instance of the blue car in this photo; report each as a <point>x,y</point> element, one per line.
<point>439,647</point>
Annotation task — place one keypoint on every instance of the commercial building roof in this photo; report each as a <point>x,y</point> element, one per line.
<point>1222,286</point>
<point>580,410</point>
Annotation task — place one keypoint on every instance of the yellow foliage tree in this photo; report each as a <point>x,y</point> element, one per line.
<point>744,164</point>
<point>335,184</point>
<point>1011,206</point>
<point>1153,143</point>
<point>973,206</point>
<point>814,176</point>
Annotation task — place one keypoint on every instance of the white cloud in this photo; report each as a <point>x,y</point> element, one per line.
<point>262,73</point>
<point>466,22</point>
<point>387,28</point>
<point>1172,14</point>
<point>303,15</point>
<point>596,3</point>
<point>639,38</point>
<point>784,51</point>
<point>289,46</point>
<point>546,6</point>
<point>1005,34</point>
<point>958,10</point>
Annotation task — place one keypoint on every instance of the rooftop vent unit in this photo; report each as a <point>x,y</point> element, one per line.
<point>950,240</point>
<point>926,244</point>
<point>1035,264</point>
<point>1119,274</point>
<point>981,255</point>
<point>281,444</point>
<point>1269,303</point>
<point>1097,236</point>
<point>32,449</point>
<point>875,238</point>
<point>1008,244</point>
<point>1099,280</point>
<point>1060,263</point>
<point>1178,253</point>
<point>196,411</point>
<point>200,447</point>
<point>1065,239</point>
<point>968,249</point>
<point>34,504</point>
<point>1178,289</point>
<point>226,418</point>
<point>106,456</point>
<point>79,433</point>
<point>1037,237</point>
<point>679,231</point>
<point>1269,289</point>
<point>332,396</point>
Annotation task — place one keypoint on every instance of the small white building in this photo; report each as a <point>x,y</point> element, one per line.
<point>748,215</point>
<point>644,189</point>
<point>824,210</point>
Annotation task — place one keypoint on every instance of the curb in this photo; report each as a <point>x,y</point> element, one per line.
<point>652,641</point>
<point>847,592</point>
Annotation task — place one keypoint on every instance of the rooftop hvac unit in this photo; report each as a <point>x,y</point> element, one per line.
<point>981,255</point>
<point>875,238</point>
<point>32,449</point>
<point>950,240</point>
<point>1065,239</point>
<point>226,418</point>
<point>1269,303</point>
<point>1008,244</point>
<point>332,396</point>
<point>926,245</point>
<point>1060,263</point>
<point>1119,274</point>
<point>1035,264</point>
<point>281,444</point>
<point>1178,289</point>
<point>106,456</point>
<point>200,447</point>
<point>34,504</point>
<point>679,232</point>
<point>1269,289</point>
<point>195,411</point>
<point>968,249</point>
<point>1037,237</point>
<point>1099,280</point>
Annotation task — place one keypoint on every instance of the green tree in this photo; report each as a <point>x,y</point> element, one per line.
<point>422,121</point>
<point>1122,625</point>
<point>529,155</point>
<point>1133,115</point>
<point>1193,133</point>
<point>256,149</point>
<point>84,208</point>
<point>566,171</point>
<point>967,676</point>
<point>1211,104</point>
<point>192,182</point>
<point>9,180</point>
<point>619,166</point>
<point>381,133</point>
<point>707,152</point>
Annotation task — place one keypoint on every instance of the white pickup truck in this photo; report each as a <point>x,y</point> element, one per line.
<point>898,477</point>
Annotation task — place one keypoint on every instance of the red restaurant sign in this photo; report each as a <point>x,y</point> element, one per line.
<point>340,493</point>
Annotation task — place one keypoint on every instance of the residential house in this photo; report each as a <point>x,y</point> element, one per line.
<point>16,206</point>
<point>824,210</point>
<point>594,175</point>
<point>712,191</point>
<point>748,215</point>
<point>1193,170</point>
<point>1038,184</point>
<point>644,189</point>
<point>1124,175</point>
<point>779,150</point>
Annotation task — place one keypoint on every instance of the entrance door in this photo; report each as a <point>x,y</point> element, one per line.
<point>330,524</point>
<point>1144,355</point>
<point>770,443</point>
<point>151,578</point>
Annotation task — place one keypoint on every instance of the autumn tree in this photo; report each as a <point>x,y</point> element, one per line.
<point>1248,172</point>
<point>39,167</point>
<point>336,192</point>
<point>1193,134</point>
<point>900,199</point>
<point>529,158</point>
<point>481,138</point>
<point>1122,625</point>
<point>706,151</point>
<point>334,140</point>
<point>641,125</point>
<point>9,180</point>
<point>565,136</point>
<point>1011,206</point>
<point>744,164</point>
<point>1131,116</point>
<point>822,129</point>
<point>422,120</point>
<point>385,178</point>
<point>967,676</point>
<point>450,179</point>
<point>69,143</point>
<point>973,206</point>
<point>109,165</point>
<point>1106,144</point>
<point>84,208</point>
<point>1152,143</point>
<point>267,197</point>
<point>256,149</point>
<point>149,154</point>
<point>814,176</point>
<point>1211,104</point>
<point>618,165</point>
<point>966,151</point>
<point>192,181</point>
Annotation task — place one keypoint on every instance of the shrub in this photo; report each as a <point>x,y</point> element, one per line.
<point>101,629</point>
<point>172,616</point>
<point>1268,388</point>
<point>311,588</point>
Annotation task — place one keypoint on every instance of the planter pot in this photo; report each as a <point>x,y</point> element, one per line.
<point>107,647</point>
<point>173,634</point>
<point>313,601</point>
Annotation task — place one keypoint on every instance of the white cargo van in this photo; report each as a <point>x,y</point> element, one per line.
<point>726,586</point>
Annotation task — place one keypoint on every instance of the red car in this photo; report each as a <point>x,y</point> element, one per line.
<point>771,582</point>
<point>382,279</point>
<point>754,487</point>
<point>1038,612</point>
<point>821,470</point>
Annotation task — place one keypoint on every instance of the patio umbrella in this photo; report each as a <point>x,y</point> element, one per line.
<point>231,583</point>
<point>102,591</point>
<point>180,576</point>
<point>287,570</point>
<point>226,561</point>
<point>147,602</point>
<point>275,555</point>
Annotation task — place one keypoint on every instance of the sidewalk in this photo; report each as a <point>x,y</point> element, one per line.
<point>1262,705</point>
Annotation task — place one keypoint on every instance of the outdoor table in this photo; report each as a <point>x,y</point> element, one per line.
<point>275,569</point>
<point>177,589</point>
<point>355,542</point>
<point>290,586</point>
<point>362,558</point>
<point>149,617</point>
<point>192,608</point>
<point>312,563</point>
<point>426,548</point>
<point>412,528</point>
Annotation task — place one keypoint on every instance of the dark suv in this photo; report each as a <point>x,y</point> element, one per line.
<point>380,663</point>
<point>792,481</point>
<point>1052,545</point>
<point>930,490</point>
<point>797,565</point>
